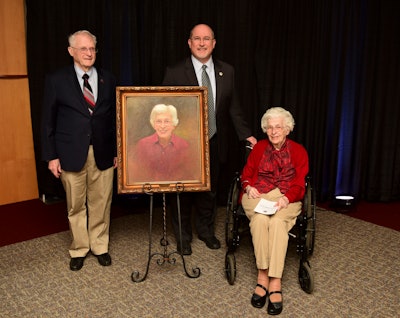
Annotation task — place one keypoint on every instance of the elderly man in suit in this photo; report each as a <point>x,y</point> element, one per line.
<point>78,142</point>
<point>221,77</point>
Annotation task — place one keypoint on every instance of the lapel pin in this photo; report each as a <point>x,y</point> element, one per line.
<point>220,74</point>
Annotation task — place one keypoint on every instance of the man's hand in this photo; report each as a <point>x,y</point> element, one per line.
<point>55,167</point>
<point>252,140</point>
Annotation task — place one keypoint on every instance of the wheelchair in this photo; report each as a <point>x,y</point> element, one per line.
<point>303,232</point>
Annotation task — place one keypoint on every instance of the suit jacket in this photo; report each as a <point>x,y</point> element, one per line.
<point>67,126</point>
<point>227,103</point>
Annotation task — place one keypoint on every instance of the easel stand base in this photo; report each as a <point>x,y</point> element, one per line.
<point>165,256</point>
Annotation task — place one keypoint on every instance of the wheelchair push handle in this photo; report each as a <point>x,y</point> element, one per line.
<point>249,146</point>
<point>248,149</point>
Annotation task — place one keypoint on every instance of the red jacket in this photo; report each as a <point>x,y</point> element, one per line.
<point>298,159</point>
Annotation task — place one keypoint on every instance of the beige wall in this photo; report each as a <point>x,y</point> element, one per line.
<point>18,180</point>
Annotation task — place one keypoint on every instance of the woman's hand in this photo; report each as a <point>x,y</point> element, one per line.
<point>282,203</point>
<point>252,193</point>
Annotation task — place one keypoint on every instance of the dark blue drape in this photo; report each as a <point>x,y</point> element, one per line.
<point>346,88</point>
<point>334,64</point>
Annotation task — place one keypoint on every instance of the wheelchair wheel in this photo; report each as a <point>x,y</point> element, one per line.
<point>306,278</point>
<point>231,207</point>
<point>230,268</point>
<point>310,206</point>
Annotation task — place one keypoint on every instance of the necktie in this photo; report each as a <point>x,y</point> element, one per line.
<point>88,93</point>
<point>212,126</point>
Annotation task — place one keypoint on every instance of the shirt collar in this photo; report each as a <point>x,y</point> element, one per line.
<point>284,146</point>
<point>80,72</point>
<point>154,139</point>
<point>198,65</point>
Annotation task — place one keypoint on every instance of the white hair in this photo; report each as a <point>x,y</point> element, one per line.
<point>275,112</point>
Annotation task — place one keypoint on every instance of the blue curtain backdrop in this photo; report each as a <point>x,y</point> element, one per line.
<point>346,85</point>
<point>334,64</point>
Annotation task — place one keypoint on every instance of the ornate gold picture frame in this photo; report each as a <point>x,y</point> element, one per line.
<point>162,139</point>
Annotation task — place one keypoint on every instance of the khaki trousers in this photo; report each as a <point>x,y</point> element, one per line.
<point>270,233</point>
<point>89,195</point>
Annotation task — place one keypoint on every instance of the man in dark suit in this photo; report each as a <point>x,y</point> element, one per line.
<point>221,75</point>
<point>78,142</point>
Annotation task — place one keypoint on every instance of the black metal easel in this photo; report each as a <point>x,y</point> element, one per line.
<point>165,256</point>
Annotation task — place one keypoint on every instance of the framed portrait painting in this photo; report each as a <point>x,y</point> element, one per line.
<point>162,139</point>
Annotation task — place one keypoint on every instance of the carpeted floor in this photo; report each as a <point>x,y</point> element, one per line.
<point>356,268</point>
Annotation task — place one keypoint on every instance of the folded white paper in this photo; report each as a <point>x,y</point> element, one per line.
<point>266,207</point>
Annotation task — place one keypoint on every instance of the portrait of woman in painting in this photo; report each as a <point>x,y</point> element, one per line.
<point>163,156</point>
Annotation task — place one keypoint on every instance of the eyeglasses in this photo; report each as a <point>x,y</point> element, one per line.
<point>160,122</point>
<point>85,49</point>
<point>276,128</point>
<point>199,39</point>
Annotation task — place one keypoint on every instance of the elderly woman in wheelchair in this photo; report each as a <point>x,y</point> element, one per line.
<point>273,181</point>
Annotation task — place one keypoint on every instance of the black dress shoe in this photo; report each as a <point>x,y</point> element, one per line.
<point>257,300</point>
<point>275,308</point>
<point>76,263</point>
<point>186,248</point>
<point>211,242</point>
<point>104,259</point>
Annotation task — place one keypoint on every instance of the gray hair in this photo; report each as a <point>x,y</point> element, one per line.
<point>71,38</point>
<point>162,109</point>
<point>275,112</point>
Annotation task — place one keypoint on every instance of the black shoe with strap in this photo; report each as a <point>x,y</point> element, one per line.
<point>257,300</point>
<point>276,307</point>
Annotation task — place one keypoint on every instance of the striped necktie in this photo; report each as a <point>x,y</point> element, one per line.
<point>88,93</point>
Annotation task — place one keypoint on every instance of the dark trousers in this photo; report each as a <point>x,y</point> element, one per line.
<point>202,204</point>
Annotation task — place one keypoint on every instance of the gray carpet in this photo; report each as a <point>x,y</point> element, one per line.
<point>356,266</point>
